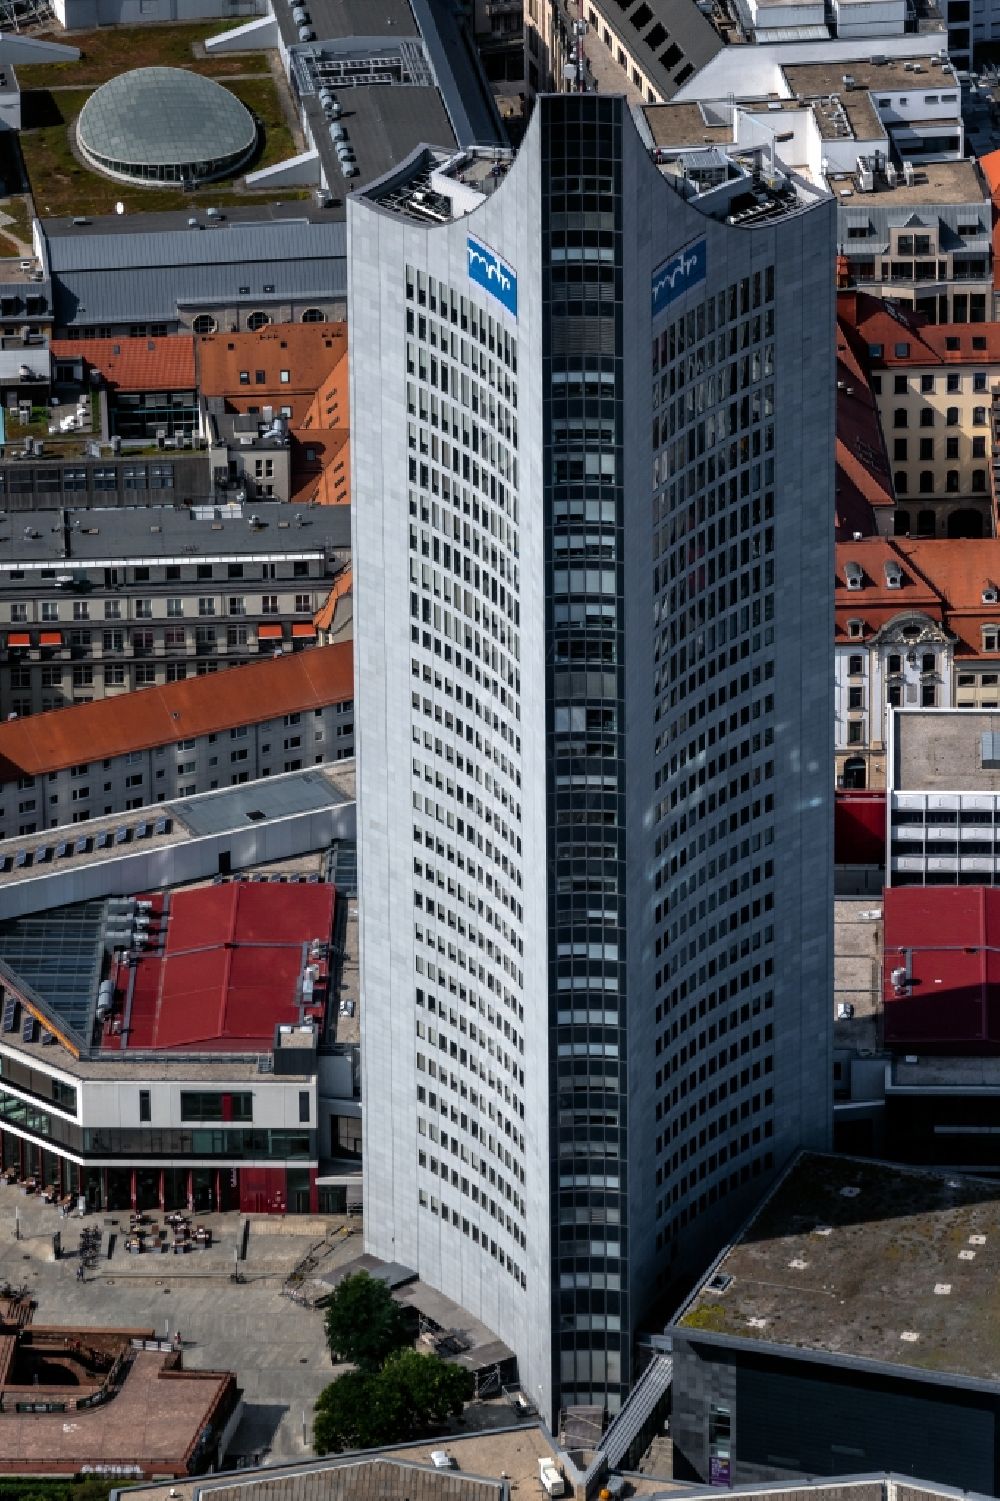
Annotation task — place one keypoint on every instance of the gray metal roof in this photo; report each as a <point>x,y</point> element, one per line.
<point>653,30</point>
<point>229,243</point>
<point>881,215</point>
<point>459,74</point>
<point>168,533</point>
<point>151,273</point>
<point>257,802</point>
<point>164,116</point>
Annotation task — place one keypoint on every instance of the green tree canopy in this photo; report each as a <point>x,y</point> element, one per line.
<point>411,1395</point>
<point>363,1323</point>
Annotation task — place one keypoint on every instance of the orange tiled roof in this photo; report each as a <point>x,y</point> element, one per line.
<point>308,351</point>
<point>165,364</point>
<point>343,584</point>
<point>177,711</point>
<point>903,337</point>
<point>991,171</point>
<point>863,479</point>
<point>942,577</point>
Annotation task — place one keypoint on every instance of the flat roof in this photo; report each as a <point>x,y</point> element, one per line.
<point>811,80</point>
<point>169,533</point>
<point>684,125</point>
<point>225,810</point>
<point>868,1261</point>
<point>482,1458</point>
<point>941,750</point>
<point>155,1421</point>
<point>946,940</point>
<point>229,970</point>
<point>65,232</point>
<point>933,182</point>
<point>383,124</point>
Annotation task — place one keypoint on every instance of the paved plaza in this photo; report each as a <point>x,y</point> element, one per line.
<point>275,1345</point>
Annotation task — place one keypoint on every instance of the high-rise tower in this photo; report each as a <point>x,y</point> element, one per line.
<point>592,438</point>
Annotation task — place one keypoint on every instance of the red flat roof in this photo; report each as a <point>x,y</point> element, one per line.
<point>229,971</point>
<point>948,937</point>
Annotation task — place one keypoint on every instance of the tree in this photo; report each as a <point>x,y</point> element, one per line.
<point>410,1395</point>
<point>363,1323</point>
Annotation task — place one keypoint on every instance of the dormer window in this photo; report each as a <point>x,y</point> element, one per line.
<point>855,628</point>
<point>991,638</point>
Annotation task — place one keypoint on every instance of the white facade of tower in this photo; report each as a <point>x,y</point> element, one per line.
<point>546,959</point>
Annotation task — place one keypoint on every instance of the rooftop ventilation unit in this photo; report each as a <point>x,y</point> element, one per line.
<point>855,575</point>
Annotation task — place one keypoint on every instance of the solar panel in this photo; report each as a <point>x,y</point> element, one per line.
<point>9,1022</point>
<point>47,1039</point>
<point>43,855</point>
<point>63,848</point>
<point>5,863</point>
<point>29,1029</point>
<point>22,858</point>
<point>142,830</point>
<point>103,839</point>
<point>121,835</point>
<point>163,826</point>
<point>82,845</point>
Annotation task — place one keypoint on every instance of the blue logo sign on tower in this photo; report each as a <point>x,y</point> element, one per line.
<point>489,271</point>
<point>682,272</point>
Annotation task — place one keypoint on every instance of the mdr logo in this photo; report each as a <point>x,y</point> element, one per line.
<point>682,272</point>
<point>489,271</point>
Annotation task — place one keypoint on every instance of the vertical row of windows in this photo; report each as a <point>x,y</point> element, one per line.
<point>465,768</point>
<point>713,373</point>
<point>582,268</point>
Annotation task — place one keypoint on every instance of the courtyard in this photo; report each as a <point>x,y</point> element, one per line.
<point>275,1344</point>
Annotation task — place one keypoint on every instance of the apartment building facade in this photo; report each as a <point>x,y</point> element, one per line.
<point>94,603</point>
<point>918,626</point>
<point>920,235</point>
<point>179,740</point>
<point>587,581</point>
<point>933,385</point>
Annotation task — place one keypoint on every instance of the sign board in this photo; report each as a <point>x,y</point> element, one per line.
<point>678,275</point>
<point>487,270</point>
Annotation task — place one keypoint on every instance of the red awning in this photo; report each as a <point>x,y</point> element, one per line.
<point>300,628</point>
<point>18,638</point>
<point>269,632</point>
<point>51,638</point>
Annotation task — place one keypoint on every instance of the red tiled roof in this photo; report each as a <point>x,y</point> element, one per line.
<point>942,577</point>
<point>343,584</point>
<point>875,603</point>
<point>990,165</point>
<point>906,338</point>
<point>308,351</point>
<point>951,935</point>
<point>863,480</point>
<point>165,364</point>
<point>177,711</point>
